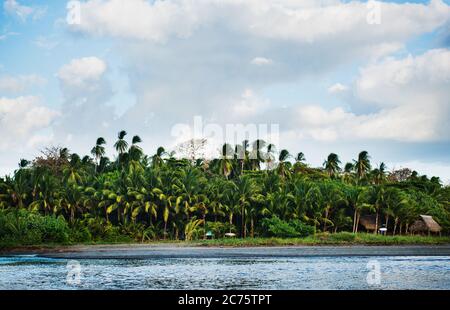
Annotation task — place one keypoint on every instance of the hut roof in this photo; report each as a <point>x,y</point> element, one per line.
<point>431,224</point>
<point>368,221</point>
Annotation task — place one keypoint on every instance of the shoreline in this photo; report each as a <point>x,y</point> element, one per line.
<point>181,250</point>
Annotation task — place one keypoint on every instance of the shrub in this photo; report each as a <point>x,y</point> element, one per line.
<point>80,233</point>
<point>303,229</point>
<point>21,227</point>
<point>275,227</point>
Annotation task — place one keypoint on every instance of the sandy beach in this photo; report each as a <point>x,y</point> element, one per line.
<point>145,251</point>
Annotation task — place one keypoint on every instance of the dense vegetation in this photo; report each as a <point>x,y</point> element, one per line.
<point>61,197</point>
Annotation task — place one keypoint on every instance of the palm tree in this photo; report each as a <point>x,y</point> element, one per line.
<point>157,159</point>
<point>245,191</point>
<point>332,164</point>
<point>135,150</point>
<point>378,199</point>
<point>64,153</point>
<point>270,158</point>
<point>225,160</point>
<point>332,197</point>
<point>23,163</point>
<point>283,169</point>
<point>121,145</point>
<point>362,165</point>
<point>379,174</point>
<point>168,196</point>
<point>300,158</point>
<point>314,204</point>
<point>46,194</point>
<point>349,167</point>
<point>257,156</point>
<point>98,151</point>
<point>348,175</point>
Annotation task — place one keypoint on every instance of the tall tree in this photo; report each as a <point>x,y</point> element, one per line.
<point>121,145</point>
<point>362,165</point>
<point>331,165</point>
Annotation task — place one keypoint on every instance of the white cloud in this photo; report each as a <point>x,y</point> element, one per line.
<point>301,21</point>
<point>154,21</point>
<point>13,7</point>
<point>411,95</point>
<point>86,90</point>
<point>261,61</point>
<point>185,58</point>
<point>40,140</point>
<point>83,79</point>
<point>81,72</point>
<point>46,43</point>
<point>406,81</point>
<point>249,104</point>
<point>21,118</point>
<point>6,35</point>
<point>337,88</point>
<point>20,83</point>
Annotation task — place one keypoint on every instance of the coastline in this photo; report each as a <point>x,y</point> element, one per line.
<point>192,250</point>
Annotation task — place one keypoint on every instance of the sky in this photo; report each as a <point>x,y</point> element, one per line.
<point>329,76</point>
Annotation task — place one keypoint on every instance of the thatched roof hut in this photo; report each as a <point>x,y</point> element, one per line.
<point>425,223</point>
<point>368,221</point>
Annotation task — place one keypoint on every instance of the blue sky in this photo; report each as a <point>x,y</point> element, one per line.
<point>332,81</point>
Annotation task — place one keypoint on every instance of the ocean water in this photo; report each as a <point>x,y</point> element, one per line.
<point>322,273</point>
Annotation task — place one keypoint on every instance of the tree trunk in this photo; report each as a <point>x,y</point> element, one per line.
<point>252,228</point>
<point>395,226</point>
<point>165,230</point>
<point>354,221</point>
<point>244,234</point>
<point>231,221</point>
<point>326,219</point>
<point>357,222</point>
<point>376,223</point>
<point>72,215</point>
<point>204,226</point>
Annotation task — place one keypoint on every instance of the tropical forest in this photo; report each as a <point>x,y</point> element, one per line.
<point>250,191</point>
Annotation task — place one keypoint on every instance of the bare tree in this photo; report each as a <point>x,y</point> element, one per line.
<point>53,158</point>
<point>192,149</point>
<point>400,175</point>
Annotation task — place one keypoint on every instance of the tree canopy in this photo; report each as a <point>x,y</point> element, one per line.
<point>246,190</point>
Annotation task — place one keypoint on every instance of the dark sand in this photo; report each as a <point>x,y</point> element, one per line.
<point>179,251</point>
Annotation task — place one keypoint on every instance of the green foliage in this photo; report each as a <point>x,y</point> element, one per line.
<point>193,229</point>
<point>247,190</point>
<point>343,238</point>
<point>29,228</point>
<point>275,227</point>
<point>301,228</point>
